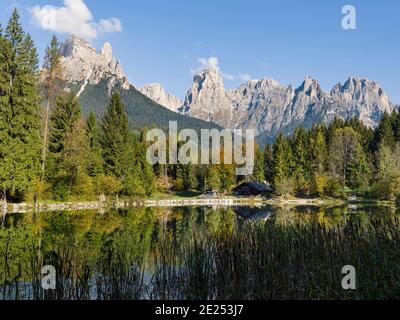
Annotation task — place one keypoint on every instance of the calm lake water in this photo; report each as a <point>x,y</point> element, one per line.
<point>201,253</point>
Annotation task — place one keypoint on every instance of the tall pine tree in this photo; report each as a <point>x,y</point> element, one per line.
<point>63,119</point>
<point>116,140</point>
<point>19,111</point>
<point>52,77</point>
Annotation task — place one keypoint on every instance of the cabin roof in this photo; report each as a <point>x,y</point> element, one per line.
<point>259,187</point>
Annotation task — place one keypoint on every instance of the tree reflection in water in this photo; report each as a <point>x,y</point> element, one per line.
<point>201,253</point>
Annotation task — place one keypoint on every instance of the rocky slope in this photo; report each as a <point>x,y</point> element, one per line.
<point>81,63</point>
<point>157,93</point>
<point>208,100</point>
<point>95,75</point>
<point>264,105</point>
<point>269,107</point>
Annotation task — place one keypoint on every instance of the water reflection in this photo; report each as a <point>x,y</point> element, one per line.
<point>138,253</point>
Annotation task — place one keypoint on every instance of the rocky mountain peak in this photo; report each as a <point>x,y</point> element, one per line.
<point>269,107</point>
<point>157,93</point>
<point>75,46</point>
<point>82,63</point>
<point>209,77</point>
<point>360,89</point>
<point>207,98</point>
<point>310,87</point>
<point>106,51</point>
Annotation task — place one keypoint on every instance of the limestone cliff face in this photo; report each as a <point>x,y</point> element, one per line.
<point>157,93</point>
<point>361,98</point>
<point>208,100</point>
<point>82,63</point>
<point>269,107</point>
<point>264,105</point>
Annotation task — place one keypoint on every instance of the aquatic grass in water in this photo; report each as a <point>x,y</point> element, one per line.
<point>276,259</point>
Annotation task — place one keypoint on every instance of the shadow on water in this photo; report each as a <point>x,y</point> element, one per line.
<point>202,253</point>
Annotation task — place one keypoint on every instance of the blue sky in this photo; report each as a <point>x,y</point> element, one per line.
<point>162,41</point>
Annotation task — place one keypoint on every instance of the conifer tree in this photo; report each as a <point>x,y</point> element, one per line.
<point>144,170</point>
<point>19,111</point>
<point>319,152</point>
<point>52,76</point>
<point>282,158</point>
<point>301,159</point>
<point>116,140</point>
<point>74,161</point>
<point>212,181</point>
<point>259,166</point>
<point>92,134</point>
<point>384,133</point>
<point>268,163</point>
<point>344,150</point>
<point>226,177</point>
<point>92,130</point>
<point>359,171</point>
<point>63,119</point>
<point>397,125</point>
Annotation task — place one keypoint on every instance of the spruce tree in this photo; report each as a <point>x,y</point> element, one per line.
<point>397,125</point>
<point>384,133</point>
<point>52,77</point>
<point>63,119</point>
<point>259,166</point>
<point>301,160</point>
<point>268,163</point>
<point>92,130</point>
<point>344,150</point>
<point>144,169</point>
<point>116,140</point>
<point>359,171</point>
<point>19,111</point>
<point>92,134</point>
<point>319,151</point>
<point>282,158</point>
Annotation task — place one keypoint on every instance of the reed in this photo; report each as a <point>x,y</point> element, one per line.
<point>256,260</point>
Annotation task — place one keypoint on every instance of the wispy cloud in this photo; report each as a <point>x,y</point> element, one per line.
<point>213,63</point>
<point>73,18</point>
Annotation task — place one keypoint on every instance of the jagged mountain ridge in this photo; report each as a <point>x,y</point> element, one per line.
<point>269,107</point>
<point>264,105</point>
<point>157,93</point>
<point>95,75</point>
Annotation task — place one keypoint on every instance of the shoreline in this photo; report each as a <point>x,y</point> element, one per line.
<point>14,208</point>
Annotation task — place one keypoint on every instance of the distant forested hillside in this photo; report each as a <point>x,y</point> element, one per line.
<point>142,111</point>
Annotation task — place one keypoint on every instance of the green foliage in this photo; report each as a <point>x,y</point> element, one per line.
<point>282,159</point>
<point>213,181</point>
<point>141,111</point>
<point>63,119</point>
<point>284,187</point>
<point>387,184</point>
<point>385,134</point>
<point>259,166</point>
<point>19,111</point>
<point>95,167</point>
<point>107,185</point>
<point>116,140</point>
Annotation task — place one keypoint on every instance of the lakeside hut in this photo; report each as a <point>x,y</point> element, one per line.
<point>252,189</point>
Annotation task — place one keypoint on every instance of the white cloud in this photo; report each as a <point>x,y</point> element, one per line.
<point>213,63</point>
<point>73,18</point>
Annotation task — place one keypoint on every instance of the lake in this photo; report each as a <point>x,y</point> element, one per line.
<point>202,253</point>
